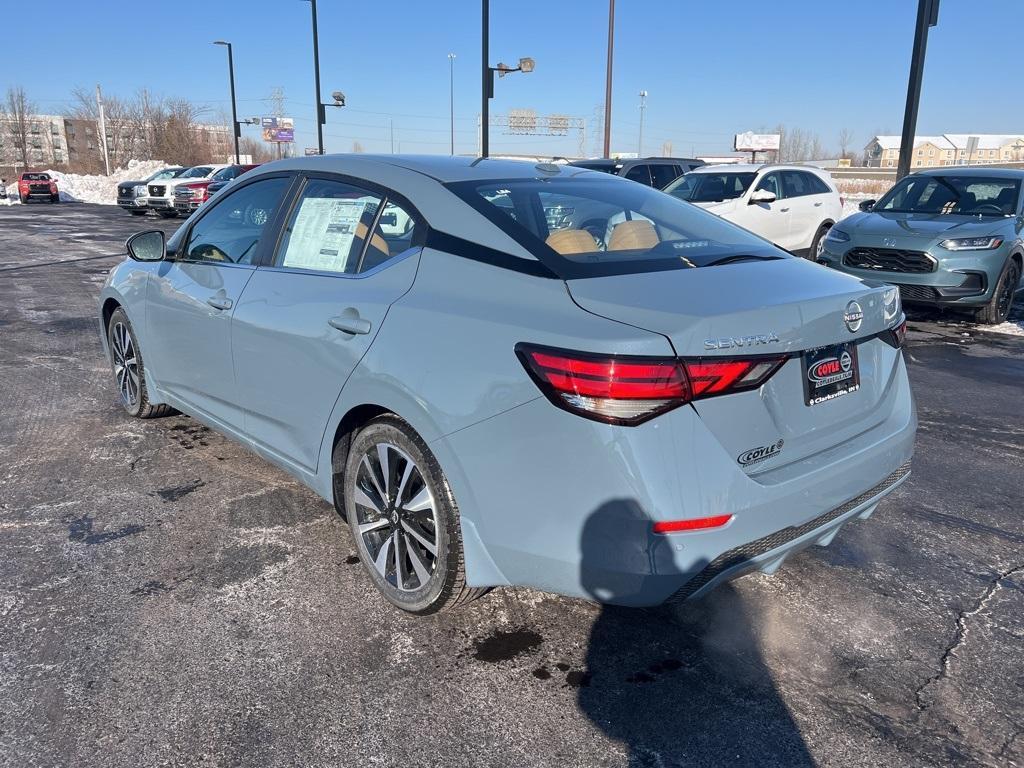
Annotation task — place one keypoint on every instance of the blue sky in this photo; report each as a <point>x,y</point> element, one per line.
<point>711,68</point>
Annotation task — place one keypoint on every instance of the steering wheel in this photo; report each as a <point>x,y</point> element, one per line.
<point>990,206</point>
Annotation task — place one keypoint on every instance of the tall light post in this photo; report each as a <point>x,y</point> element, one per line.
<point>338,96</point>
<point>927,16</point>
<point>451,98</point>
<point>643,107</point>
<point>608,81</point>
<point>526,65</point>
<point>235,130</point>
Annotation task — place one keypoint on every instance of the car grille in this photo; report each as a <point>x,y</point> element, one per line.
<point>889,260</point>
<point>745,552</point>
<point>918,293</point>
<point>182,194</point>
<point>156,190</point>
<point>39,189</point>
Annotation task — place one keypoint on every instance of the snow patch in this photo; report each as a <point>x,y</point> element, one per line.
<point>90,188</point>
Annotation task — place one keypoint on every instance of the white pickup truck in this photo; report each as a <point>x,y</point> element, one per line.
<point>161,193</point>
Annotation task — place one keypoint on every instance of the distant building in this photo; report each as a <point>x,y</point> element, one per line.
<point>947,149</point>
<point>46,141</point>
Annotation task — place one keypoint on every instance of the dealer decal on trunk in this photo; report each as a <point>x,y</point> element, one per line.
<point>755,455</point>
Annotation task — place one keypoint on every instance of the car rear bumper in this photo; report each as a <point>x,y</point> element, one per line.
<point>967,278</point>
<point>556,502</point>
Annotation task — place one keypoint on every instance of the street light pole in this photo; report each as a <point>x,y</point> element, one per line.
<point>320,116</point>
<point>451,98</point>
<point>608,82</point>
<point>643,107</point>
<point>235,130</point>
<point>488,80</point>
<point>927,16</point>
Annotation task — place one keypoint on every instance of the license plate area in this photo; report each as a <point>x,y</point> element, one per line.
<point>830,372</point>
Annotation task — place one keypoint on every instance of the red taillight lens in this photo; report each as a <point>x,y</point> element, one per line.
<point>895,336</point>
<point>695,524</point>
<point>630,390</point>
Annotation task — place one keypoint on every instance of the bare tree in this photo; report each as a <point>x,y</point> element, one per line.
<point>845,142</point>
<point>799,145</point>
<point>666,149</point>
<point>357,147</point>
<point>19,112</point>
<point>257,150</point>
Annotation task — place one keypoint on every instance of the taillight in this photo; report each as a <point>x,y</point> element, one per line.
<point>896,335</point>
<point>630,390</point>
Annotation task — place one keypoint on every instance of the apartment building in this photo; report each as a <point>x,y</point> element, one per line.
<point>947,149</point>
<point>46,141</point>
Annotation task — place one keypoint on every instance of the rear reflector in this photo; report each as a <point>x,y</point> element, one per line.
<point>696,524</point>
<point>631,390</point>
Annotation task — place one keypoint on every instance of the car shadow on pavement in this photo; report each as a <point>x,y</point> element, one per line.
<point>679,685</point>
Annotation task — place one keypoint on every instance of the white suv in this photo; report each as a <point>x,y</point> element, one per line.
<point>161,193</point>
<point>792,205</point>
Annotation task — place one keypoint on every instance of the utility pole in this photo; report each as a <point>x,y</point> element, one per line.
<point>451,98</point>
<point>608,82</point>
<point>488,80</point>
<point>643,106</point>
<point>321,117</point>
<point>103,129</point>
<point>391,126</point>
<point>235,128</point>
<point>927,16</point>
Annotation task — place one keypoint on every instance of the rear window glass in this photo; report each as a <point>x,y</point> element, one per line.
<point>587,227</point>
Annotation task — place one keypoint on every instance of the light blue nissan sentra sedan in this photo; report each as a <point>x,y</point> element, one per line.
<point>494,387</point>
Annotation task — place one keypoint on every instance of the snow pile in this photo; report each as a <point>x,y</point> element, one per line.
<point>88,188</point>
<point>851,202</point>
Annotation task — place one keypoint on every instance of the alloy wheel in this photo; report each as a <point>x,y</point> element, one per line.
<point>1008,291</point>
<point>397,517</point>
<point>126,364</point>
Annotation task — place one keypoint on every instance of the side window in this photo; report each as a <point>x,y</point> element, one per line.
<point>815,185</point>
<point>231,231</point>
<point>770,183</point>
<point>794,184</point>
<point>663,175</point>
<point>330,230</point>
<point>639,173</point>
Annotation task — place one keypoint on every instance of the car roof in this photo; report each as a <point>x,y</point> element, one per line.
<point>984,172</point>
<point>442,168</point>
<point>755,168</point>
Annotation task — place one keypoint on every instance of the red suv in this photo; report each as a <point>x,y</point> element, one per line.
<point>37,185</point>
<point>189,196</point>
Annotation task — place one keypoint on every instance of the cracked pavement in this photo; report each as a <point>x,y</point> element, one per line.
<point>168,598</point>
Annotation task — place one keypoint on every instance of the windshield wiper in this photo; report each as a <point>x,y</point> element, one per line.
<point>740,257</point>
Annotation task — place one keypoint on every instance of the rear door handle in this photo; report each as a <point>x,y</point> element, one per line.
<point>219,302</point>
<point>350,324</point>
<point>784,210</point>
<point>817,205</point>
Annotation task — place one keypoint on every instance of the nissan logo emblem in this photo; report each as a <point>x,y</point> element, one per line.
<point>853,316</point>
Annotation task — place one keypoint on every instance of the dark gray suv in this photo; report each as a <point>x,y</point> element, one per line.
<point>657,172</point>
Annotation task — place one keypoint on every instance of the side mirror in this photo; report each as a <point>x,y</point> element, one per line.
<point>150,245</point>
<point>761,196</point>
<point>867,205</point>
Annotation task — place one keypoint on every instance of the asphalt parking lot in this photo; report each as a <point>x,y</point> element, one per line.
<point>168,598</point>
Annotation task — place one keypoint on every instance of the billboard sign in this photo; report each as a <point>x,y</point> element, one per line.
<point>312,151</point>
<point>279,129</point>
<point>757,142</point>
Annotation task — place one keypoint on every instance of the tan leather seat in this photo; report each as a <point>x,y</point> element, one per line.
<point>633,235</point>
<point>376,241</point>
<point>567,241</point>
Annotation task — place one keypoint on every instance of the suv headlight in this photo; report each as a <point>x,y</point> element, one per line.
<point>972,243</point>
<point>837,236</point>
<point>891,305</point>
<point>140,190</point>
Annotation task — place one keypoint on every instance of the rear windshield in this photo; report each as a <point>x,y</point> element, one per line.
<point>589,226</point>
<point>711,187</point>
<point>35,176</point>
<point>952,194</point>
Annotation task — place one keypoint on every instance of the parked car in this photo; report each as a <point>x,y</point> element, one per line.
<point>794,206</point>
<point>132,195</point>
<point>492,403</point>
<point>656,172</point>
<point>161,193</point>
<point>33,185</point>
<point>950,237</point>
<point>188,197</point>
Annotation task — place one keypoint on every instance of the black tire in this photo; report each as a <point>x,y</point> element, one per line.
<point>999,306</point>
<point>54,198</point>
<point>131,378</point>
<point>165,214</point>
<point>137,213</point>
<point>816,243</point>
<point>378,499</point>
<point>24,199</point>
